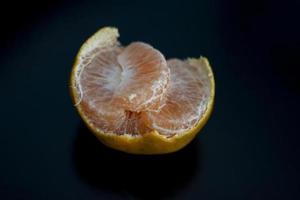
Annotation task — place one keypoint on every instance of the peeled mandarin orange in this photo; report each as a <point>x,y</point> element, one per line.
<point>134,100</point>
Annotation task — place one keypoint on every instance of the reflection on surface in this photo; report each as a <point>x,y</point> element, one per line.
<point>146,177</point>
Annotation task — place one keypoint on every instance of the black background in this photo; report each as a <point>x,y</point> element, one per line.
<point>249,149</point>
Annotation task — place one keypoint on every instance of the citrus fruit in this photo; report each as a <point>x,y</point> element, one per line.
<point>134,100</point>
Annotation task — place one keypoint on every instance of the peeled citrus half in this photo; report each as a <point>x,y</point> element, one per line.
<point>136,101</point>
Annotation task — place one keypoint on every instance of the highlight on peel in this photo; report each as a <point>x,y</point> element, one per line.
<point>136,101</point>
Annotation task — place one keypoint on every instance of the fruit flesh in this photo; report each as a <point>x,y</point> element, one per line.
<point>98,81</point>
<point>127,91</point>
<point>187,98</point>
<point>116,82</point>
<point>145,78</point>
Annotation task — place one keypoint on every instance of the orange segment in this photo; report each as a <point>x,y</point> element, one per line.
<point>110,75</point>
<point>187,99</point>
<point>99,79</point>
<point>145,78</point>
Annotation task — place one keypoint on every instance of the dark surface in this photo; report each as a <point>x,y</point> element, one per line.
<point>249,149</point>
